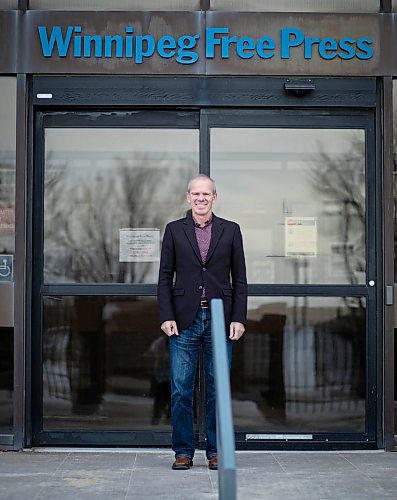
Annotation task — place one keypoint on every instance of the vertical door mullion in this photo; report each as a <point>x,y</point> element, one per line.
<point>205,152</point>
<point>204,169</point>
<point>371,193</point>
<point>38,242</point>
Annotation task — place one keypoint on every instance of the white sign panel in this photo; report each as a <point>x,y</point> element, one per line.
<point>139,245</point>
<point>300,236</point>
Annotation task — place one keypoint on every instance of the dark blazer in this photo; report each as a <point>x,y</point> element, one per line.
<point>223,274</point>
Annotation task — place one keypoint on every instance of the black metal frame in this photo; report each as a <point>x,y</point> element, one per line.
<point>386,179</point>
<point>125,92</point>
<point>385,5</point>
<point>20,257</point>
<point>261,102</point>
<point>15,440</point>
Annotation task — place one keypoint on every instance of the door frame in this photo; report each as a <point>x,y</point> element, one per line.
<point>335,97</point>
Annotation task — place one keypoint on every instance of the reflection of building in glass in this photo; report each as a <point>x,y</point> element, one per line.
<point>104,364</point>
<point>306,174</point>
<point>7,204</point>
<point>160,384</point>
<point>304,365</point>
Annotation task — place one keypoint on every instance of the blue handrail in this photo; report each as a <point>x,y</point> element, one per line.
<point>224,416</point>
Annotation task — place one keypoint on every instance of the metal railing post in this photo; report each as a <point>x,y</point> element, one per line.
<point>224,416</point>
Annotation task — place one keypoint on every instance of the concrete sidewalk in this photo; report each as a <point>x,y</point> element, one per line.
<point>146,474</point>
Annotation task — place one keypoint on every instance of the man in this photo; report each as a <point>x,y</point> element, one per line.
<point>200,253</point>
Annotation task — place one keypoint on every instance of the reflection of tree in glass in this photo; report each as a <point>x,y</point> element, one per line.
<point>7,202</point>
<point>85,211</point>
<point>395,212</point>
<point>339,179</point>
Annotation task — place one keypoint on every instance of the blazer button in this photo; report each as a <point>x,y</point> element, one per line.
<point>200,287</point>
<point>204,268</point>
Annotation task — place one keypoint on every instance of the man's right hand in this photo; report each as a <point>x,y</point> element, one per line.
<point>170,328</point>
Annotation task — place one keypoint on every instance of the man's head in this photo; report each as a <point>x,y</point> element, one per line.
<point>201,195</point>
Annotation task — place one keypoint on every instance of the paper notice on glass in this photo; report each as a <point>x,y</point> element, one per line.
<point>139,245</point>
<point>7,220</point>
<point>301,236</point>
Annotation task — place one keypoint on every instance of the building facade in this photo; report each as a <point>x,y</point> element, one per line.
<point>104,117</point>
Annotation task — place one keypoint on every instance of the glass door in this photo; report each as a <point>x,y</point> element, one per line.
<point>106,184</point>
<point>301,184</point>
<point>298,184</point>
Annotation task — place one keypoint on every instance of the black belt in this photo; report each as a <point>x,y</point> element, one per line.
<point>204,304</point>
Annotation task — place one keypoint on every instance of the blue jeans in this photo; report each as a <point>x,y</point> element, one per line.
<point>184,350</point>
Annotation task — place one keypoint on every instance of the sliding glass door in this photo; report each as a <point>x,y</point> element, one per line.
<point>107,186</point>
<point>298,184</point>
<point>301,184</point>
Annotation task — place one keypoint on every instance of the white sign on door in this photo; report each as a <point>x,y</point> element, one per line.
<point>301,236</point>
<point>139,245</point>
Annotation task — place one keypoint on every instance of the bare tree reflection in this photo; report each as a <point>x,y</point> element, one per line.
<point>84,216</point>
<point>85,208</point>
<point>7,204</point>
<point>340,180</point>
<point>316,362</point>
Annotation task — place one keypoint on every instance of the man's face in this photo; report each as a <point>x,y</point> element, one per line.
<point>201,197</point>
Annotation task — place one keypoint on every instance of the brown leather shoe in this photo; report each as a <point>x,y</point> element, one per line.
<point>182,463</point>
<point>213,463</point>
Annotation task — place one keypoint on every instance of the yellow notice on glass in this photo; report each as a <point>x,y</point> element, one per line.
<point>300,236</point>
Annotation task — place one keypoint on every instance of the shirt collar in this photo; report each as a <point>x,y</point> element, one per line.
<point>206,223</point>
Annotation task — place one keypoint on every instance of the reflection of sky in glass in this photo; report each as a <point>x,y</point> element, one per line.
<point>264,175</point>
<point>8,4</point>
<point>115,4</point>
<point>101,180</point>
<point>8,99</point>
<point>117,141</point>
<point>7,162</point>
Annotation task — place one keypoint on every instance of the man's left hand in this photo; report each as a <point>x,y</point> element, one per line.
<point>236,330</point>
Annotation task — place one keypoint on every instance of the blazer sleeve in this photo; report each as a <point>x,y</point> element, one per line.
<point>239,279</point>
<point>166,277</point>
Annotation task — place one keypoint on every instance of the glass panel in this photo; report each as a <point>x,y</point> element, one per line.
<point>105,364</point>
<point>395,377</point>
<point>8,4</point>
<point>301,366</point>
<point>299,196</point>
<point>7,165</point>
<point>115,5</point>
<point>108,196</point>
<point>360,6</point>
<point>6,378</point>
<point>7,246</point>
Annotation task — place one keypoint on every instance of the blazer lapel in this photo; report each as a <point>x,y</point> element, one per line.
<point>188,227</point>
<point>216,233</point>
